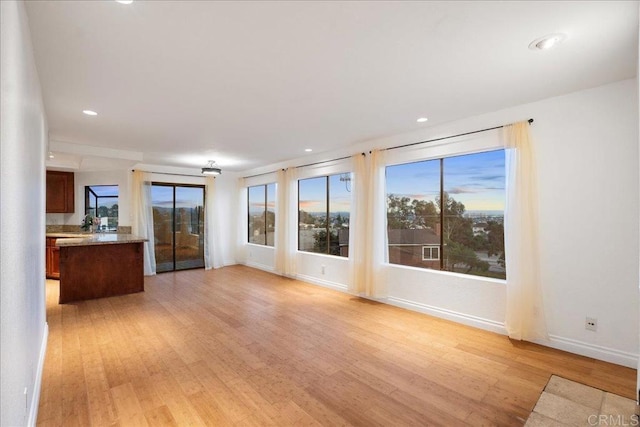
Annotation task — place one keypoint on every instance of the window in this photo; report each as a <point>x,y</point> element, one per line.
<point>102,201</point>
<point>430,253</point>
<point>262,215</point>
<point>448,214</point>
<point>324,204</point>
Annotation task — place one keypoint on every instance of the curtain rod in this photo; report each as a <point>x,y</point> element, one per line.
<point>168,173</point>
<point>392,148</point>
<point>302,166</point>
<point>326,161</point>
<point>263,173</point>
<point>447,137</point>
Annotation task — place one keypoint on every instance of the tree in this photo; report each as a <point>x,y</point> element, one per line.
<point>426,213</point>
<point>306,218</point>
<point>103,211</point>
<point>320,242</point>
<point>400,213</point>
<point>456,227</point>
<point>457,230</point>
<point>459,256</point>
<point>495,240</point>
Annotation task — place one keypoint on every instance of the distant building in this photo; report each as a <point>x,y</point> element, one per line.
<point>413,247</point>
<point>479,229</point>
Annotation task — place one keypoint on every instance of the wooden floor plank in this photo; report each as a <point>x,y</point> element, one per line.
<point>242,347</point>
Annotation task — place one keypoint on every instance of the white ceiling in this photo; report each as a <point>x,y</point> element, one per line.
<point>255,83</point>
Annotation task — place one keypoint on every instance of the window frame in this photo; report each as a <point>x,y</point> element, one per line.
<point>266,210</point>
<point>327,212</point>
<point>402,159</point>
<point>431,248</point>
<point>90,193</point>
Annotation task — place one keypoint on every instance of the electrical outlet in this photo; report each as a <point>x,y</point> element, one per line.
<point>322,269</point>
<point>591,324</point>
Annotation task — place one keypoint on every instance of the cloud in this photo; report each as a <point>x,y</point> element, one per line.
<point>306,204</point>
<point>462,190</point>
<point>488,177</point>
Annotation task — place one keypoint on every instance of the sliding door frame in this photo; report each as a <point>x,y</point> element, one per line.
<point>173,214</point>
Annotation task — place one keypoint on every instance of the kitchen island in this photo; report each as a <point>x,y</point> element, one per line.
<point>100,265</point>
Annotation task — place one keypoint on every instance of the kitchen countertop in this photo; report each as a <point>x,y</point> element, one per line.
<point>95,239</point>
<point>61,235</point>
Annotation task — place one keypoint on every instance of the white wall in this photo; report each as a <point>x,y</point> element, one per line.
<point>121,178</point>
<point>23,330</point>
<point>587,148</point>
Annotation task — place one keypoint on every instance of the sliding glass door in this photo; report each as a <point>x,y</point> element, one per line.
<point>178,224</point>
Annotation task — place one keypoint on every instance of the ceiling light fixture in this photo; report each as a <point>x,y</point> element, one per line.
<point>547,42</point>
<point>211,169</point>
<point>422,120</point>
<point>90,112</point>
<point>308,150</point>
<point>51,156</point>
<point>125,1</point>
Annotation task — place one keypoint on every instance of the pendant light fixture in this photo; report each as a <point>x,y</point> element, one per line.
<point>211,169</point>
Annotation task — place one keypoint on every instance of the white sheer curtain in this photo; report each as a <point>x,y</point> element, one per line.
<point>286,243</point>
<point>377,249</point>
<point>524,311</point>
<point>368,226</point>
<point>142,224</point>
<point>212,226</point>
<point>358,233</point>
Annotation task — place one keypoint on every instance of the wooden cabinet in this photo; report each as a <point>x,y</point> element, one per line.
<point>52,259</point>
<point>101,270</point>
<point>60,192</point>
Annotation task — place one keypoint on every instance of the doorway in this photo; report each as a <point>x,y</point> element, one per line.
<point>178,226</point>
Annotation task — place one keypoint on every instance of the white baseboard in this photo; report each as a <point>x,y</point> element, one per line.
<point>259,266</point>
<point>35,398</point>
<point>594,351</point>
<point>465,319</point>
<point>324,283</point>
<point>560,343</point>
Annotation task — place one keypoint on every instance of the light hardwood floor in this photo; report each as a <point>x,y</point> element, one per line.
<point>238,346</point>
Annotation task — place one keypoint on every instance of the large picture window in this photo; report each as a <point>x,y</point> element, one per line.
<point>324,204</point>
<point>262,216</point>
<point>448,214</point>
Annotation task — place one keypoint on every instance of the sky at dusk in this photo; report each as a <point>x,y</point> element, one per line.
<point>256,199</point>
<point>186,197</point>
<point>476,180</point>
<point>313,194</point>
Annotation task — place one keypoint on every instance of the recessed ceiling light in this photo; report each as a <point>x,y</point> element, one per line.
<point>90,113</point>
<point>422,120</point>
<point>308,150</point>
<point>125,1</point>
<point>547,42</point>
<point>51,156</point>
